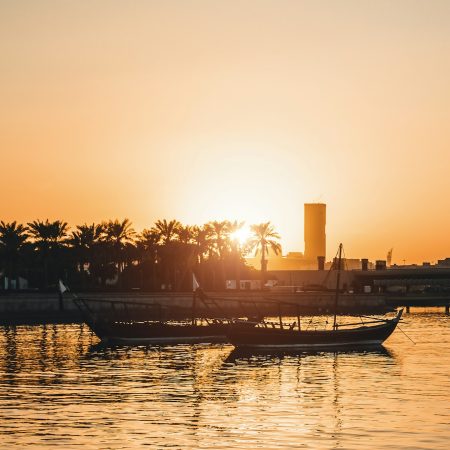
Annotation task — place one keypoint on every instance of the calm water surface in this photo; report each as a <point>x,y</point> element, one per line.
<point>58,388</point>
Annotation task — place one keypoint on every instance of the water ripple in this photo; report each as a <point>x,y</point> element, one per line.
<point>59,387</point>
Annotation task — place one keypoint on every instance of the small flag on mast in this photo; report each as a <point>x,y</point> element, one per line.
<point>62,288</point>
<point>195,284</point>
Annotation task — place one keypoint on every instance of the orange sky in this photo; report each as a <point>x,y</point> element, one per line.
<point>201,110</point>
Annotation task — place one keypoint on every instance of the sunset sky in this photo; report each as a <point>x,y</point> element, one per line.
<point>203,110</point>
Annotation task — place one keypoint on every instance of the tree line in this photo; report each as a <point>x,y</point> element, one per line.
<point>112,253</point>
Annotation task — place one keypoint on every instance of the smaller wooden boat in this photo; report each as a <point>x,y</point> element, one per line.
<point>281,336</point>
<point>288,337</point>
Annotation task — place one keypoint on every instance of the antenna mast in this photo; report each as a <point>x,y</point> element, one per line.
<point>338,279</point>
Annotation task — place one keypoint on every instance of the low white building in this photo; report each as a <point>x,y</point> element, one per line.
<point>244,285</point>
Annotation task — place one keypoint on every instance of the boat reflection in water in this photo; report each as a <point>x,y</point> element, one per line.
<point>264,355</point>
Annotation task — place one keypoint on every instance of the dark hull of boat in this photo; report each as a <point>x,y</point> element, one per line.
<point>275,338</point>
<point>157,333</point>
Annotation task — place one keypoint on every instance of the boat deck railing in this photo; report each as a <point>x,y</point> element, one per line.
<point>210,309</point>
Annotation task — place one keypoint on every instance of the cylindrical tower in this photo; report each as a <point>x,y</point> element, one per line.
<point>315,237</point>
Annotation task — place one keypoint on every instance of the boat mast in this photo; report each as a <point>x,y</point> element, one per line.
<point>336,298</point>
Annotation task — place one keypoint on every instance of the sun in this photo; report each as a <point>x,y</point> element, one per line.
<point>241,236</point>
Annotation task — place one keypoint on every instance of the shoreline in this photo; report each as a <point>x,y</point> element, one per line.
<point>45,308</point>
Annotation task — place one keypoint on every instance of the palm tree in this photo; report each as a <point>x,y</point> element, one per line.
<point>86,236</point>
<point>48,234</point>
<point>264,239</point>
<point>118,234</point>
<point>185,234</point>
<point>167,230</point>
<point>12,239</point>
<point>48,238</point>
<point>168,233</point>
<point>85,240</point>
<point>220,239</point>
<point>147,246</point>
<point>232,228</point>
<point>219,235</point>
<point>186,255</point>
<point>201,239</point>
<point>148,241</point>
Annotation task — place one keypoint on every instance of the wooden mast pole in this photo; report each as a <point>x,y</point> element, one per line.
<point>280,316</point>
<point>338,278</point>
<point>195,287</point>
<point>193,311</point>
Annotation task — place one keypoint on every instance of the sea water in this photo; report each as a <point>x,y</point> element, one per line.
<point>59,388</point>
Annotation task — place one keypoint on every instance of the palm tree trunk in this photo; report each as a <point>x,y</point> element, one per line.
<point>238,270</point>
<point>45,273</point>
<point>202,271</point>
<point>263,267</point>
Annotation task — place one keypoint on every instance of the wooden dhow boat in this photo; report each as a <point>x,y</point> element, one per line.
<point>140,322</point>
<point>289,337</point>
<point>155,331</point>
<point>282,336</point>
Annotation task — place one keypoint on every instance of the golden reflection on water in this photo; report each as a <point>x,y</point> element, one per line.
<point>60,387</point>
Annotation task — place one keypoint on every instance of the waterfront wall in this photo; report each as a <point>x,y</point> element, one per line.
<point>30,308</point>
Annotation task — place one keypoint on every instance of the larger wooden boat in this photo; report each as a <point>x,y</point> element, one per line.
<point>140,322</point>
<point>155,332</point>
<point>272,336</point>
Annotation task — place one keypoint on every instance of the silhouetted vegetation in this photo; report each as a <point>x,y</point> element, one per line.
<point>263,240</point>
<point>113,255</point>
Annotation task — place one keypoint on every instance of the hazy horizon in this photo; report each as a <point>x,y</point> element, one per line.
<point>208,110</point>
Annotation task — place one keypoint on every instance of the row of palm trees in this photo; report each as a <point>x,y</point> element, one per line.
<point>113,253</point>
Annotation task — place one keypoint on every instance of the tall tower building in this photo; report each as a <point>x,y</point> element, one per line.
<point>315,237</point>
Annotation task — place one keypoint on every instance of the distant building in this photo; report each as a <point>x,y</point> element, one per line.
<point>315,236</point>
<point>292,261</point>
<point>355,264</point>
<point>244,285</point>
<point>348,264</point>
<point>13,283</point>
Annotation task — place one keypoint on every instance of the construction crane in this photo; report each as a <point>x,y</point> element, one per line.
<point>389,257</point>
